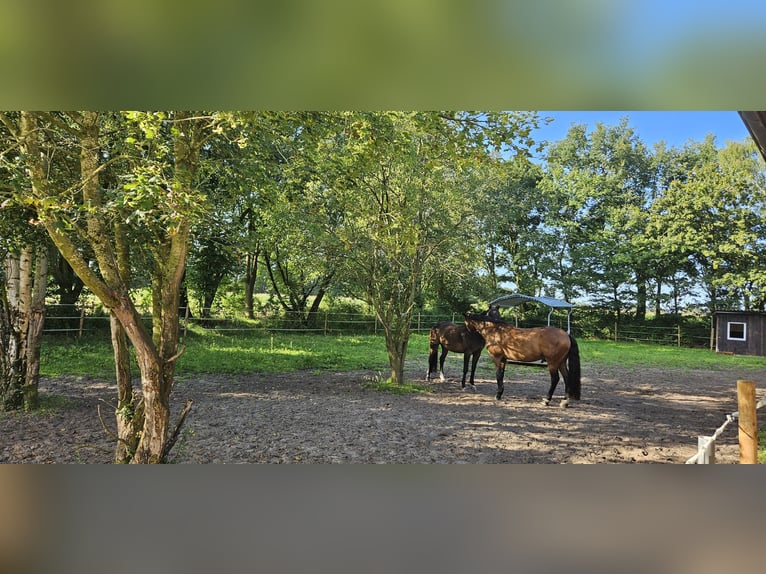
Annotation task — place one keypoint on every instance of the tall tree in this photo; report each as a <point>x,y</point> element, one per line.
<point>298,216</point>
<point>713,216</point>
<point>23,281</point>
<point>512,212</point>
<point>597,184</point>
<point>160,200</point>
<point>405,182</point>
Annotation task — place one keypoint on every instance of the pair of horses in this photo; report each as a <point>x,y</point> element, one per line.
<point>504,343</point>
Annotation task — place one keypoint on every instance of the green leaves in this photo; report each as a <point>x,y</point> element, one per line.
<point>712,214</point>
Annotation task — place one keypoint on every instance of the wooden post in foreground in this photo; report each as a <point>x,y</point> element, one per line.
<point>748,425</point>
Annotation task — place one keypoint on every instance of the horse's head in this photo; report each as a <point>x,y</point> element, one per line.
<point>473,319</point>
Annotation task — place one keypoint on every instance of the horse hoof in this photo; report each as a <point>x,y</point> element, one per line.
<point>498,397</point>
<point>473,388</point>
<point>546,402</point>
<point>564,404</point>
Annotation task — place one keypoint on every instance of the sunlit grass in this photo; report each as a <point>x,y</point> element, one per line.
<point>378,383</point>
<point>667,357</point>
<point>259,352</point>
<point>89,356</point>
<point>213,352</point>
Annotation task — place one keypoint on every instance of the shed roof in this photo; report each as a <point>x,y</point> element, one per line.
<point>518,299</point>
<point>756,125</point>
<point>734,312</point>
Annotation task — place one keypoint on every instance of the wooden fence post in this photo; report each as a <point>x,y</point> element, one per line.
<point>748,425</point>
<point>186,320</point>
<point>82,321</point>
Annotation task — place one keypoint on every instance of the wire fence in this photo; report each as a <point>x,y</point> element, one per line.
<point>78,320</point>
<point>706,444</point>
<point>85,318</point>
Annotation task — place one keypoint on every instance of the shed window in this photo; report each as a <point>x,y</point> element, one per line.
<point>737,331</point>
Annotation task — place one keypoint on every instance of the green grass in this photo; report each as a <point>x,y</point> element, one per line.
<point>258,352</point>
<point>214,352</point>
<point>378,383</point>
<point>667,357</point>
<point>89,356</point>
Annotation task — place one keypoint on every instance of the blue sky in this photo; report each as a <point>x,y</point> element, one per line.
<point>674,127</point>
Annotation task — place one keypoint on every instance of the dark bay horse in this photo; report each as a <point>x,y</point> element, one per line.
<point>456,338</point>
<point>508,343</point>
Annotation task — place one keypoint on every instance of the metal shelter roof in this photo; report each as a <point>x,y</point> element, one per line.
<point>518,299</point>
<point>755,122</point>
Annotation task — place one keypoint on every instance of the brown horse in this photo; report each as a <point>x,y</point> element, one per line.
<point>508,343</point>
<point>457,338</point>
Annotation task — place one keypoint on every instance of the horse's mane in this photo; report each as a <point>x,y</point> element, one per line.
<point>484,317</point>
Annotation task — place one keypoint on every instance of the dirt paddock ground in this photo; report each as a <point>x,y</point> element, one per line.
<point>625,416</point>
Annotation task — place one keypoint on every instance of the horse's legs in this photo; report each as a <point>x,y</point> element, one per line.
<point>554,381</point>
<point>432,354</point>
<point>500,374</point>
<point>441,362</point>
<point>565,376</point>
<point>466,358</point>
<point>475,360</point>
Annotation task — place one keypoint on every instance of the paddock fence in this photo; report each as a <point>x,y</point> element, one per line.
<point>746,416</point>
<point>88,317</point>
<point>81,319</point>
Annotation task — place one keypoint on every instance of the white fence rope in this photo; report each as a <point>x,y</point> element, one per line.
<point>711,439</point>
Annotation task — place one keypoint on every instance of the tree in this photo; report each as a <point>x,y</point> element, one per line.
<point>297,214</point>
<point>713,216</point>
<point>598,186</point>
<point>511,216</point>
<point>159,201</point>
<point>23,283</point>
<point>405,181</point>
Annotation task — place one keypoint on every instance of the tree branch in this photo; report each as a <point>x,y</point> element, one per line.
<point>10,126</point>
<point>176,431</point>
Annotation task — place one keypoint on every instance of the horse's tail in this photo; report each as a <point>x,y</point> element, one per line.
<point>433,354</point>
<point>573,366</point>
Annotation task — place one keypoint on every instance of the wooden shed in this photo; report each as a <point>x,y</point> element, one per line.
<point>740,332</point>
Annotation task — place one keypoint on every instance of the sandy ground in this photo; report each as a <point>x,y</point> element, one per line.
<point>625,416</point>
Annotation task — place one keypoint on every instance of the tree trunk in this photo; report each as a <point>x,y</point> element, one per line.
<point>129,413</point>
<point>156,414</point>
<point>396,345</point>
<point>68,283</point>
<point>658,299</point>
<point>12,377</point>
<point>640,297</point>
<point>35,329</point>
<point>251,275</point>
<point>207,304</point>
<point>23,314</point>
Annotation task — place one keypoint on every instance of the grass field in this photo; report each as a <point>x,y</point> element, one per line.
<point>215,352</point>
